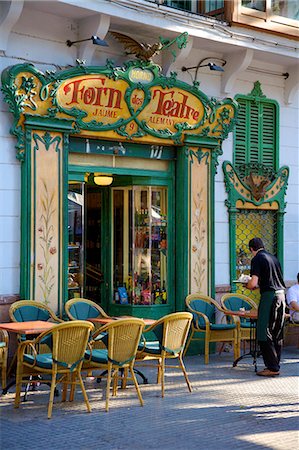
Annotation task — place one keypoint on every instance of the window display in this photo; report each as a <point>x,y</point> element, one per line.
<point>75,240</point>
<point>140,245</point>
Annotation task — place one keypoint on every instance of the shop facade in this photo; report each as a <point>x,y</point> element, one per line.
<point>193,174</point>
<point>139,244</point>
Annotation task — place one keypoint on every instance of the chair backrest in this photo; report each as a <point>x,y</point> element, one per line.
<point>172,331</point>
<point>123,337</point>
<point>204,304</point>
<point>234,302</point>
<point>27,310</point>
<point>82,309</point>
<point>68,342</point>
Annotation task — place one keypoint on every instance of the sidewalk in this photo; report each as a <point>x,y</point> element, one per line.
<point>229,408</point>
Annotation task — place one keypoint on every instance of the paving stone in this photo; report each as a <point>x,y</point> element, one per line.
<point>229,408</point>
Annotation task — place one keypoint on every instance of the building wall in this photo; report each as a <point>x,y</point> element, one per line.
<point>40,38</point>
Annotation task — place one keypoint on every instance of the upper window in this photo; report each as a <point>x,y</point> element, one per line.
<point>256,139</point>
<point>280,16</point>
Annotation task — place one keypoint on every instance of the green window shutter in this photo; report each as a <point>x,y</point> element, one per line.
<point>241,133</point>
<point>268,134</point>
<point>254,138</point>
<point>255,132</point>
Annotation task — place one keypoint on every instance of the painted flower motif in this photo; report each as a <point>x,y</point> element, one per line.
<point>197,212</point>
<point>40,229</point>
<point>40,266</point>
<point>194,248</point>
<point>53,250</point>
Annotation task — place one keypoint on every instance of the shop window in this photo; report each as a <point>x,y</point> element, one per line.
<point>140,235</point>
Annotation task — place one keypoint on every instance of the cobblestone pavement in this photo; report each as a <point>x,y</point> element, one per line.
<point>229,408</point>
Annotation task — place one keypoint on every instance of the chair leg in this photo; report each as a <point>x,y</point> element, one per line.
<point>19,377</point>
<point>188,342</point>
<point>207,348</point>
<point>108,386</point>
<point>51,399</point>
<point>159,373</point>
<point>163,375</point>
<point>136,384</point>
<point>65,387</point>
<point>185,372</point>
<point>73,388</point>
<point>115,380</point>
<point>4,370</point>
<point>84,392</point>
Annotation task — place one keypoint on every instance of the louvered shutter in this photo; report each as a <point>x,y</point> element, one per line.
<point>255,137</point>
<point>268,134</point>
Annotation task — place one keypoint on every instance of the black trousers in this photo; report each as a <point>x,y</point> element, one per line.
<point>271,347</point>
<point>271,351</point>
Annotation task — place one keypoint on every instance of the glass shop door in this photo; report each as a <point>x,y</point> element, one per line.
<point>88,244</point>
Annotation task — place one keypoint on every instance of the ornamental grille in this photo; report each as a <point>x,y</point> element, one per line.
<point>250,224</point>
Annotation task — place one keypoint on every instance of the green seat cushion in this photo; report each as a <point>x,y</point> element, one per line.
<point>99,355</point>
<point>83,311</point>
<point>152,347</point>
<point>203,307</point>
<point>43,360</point>
<point>31,312</point>
<point>219,326</point>
<point>235,303</point>
<point>245,324</point>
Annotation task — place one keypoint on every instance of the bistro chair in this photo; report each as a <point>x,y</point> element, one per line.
<point>291,327</point>
<point>239,302</point>
<point>121,338</point>
<point>171,333</point>
<point>3,356</point>
<point>203,309</point>
<point>67,342</point>
<point>83,309</point>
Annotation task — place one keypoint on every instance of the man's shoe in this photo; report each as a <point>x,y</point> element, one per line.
<point>267,373</point>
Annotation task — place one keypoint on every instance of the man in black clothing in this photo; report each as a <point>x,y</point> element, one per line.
<point>267,275</point>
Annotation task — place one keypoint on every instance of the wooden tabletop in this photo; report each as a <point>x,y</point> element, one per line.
<point>30,327</point>
<point>249,314</point>
<point>105,320</point>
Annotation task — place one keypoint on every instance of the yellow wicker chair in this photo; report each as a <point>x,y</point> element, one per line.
<point>203,309</point>
<point>235,302</point>
<point>291,328</point>
<point>68,345</point>
<point>122,337</point>
<point>82,309</point>
<point>3,356</point>
<point>25,310</point>
<point>171,332</point>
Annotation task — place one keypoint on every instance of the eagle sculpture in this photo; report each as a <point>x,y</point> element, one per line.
<point>258,191</point>
<point>140,50</point>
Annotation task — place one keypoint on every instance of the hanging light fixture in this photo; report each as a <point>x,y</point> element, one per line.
<point>102,179</point>
<point>95,40</point>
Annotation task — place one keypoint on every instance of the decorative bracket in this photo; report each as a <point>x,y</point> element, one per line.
<point>10,13</point>
<point>97,25</point>
<point>236,63</point>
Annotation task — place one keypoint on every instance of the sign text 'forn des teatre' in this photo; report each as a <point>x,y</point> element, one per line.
<point>106,100</point>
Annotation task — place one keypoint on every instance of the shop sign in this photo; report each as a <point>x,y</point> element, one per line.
<point>135,103</point>
<point>100,99</point>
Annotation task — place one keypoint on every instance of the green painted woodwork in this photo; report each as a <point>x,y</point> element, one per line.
<point>256,135</point>
<point>39,88</point>
<point>256,153</point>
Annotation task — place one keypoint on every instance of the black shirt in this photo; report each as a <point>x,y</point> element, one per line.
<point>267,268</point>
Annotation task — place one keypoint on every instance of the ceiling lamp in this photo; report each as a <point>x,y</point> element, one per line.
<point>102,180</point>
